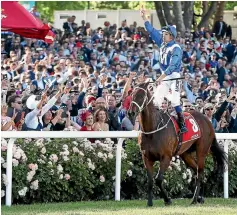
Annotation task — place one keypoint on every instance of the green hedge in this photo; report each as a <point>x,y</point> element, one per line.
<point>61,170</point>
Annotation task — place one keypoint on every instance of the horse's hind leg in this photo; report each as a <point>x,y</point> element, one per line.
<point>149,167</point>
<point>191,162</point>
<point>164,164</point>
<point>200,171</point>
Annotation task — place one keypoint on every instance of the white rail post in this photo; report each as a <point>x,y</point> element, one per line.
<point>9,172</point>
<point>226,173</point>
<point>118,169</point>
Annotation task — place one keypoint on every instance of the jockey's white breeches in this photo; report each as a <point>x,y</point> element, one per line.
<point>168,89</point>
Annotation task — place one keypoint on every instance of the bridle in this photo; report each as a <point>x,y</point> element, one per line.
<point>144,105</point>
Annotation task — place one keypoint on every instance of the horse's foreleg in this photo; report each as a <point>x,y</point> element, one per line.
<point>164,164</point>
<point>149,167</point>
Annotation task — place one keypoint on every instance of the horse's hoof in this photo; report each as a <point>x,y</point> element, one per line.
<point>149,204</point>
<point>200,199</point>
<point>168,202</point>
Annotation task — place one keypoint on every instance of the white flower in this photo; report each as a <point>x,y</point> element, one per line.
<point>53,158</point>
<point>81,153</point>
<point>173,159</point>
<point>130,163</point>
<point>89,160</point>
<point>4,165</point>
<point>75,149</point>
<point>40,142</point>
<point>129,173</point>
<point>43,150</point>
<point>189,173</point>
<point>17,155</point>
<point>100,154</point>
<point>34,185</point>
<point>51,172</point>
<point>50,163</point>
<point>28,140</point>
<point>184,175</point>
<point>114,177</point>
<point>91,165</point>
<point>65,147</point>
<point>178,168</point>
<point>4,179</point>
<point>97,142</point>
<point>65,158</point>
<point>3,142</point>
<point>66,152</point>
<point>24,158</point>
<point>189,180</point>
<point>2,160</point>
<point>178,162</point>
<point>87,145</point>
<point>170,167</point>
<point>23,191</point>
<point>41,161</point>
<point>165,181</point>
<point>105,155</point>
<point>110,156</point>
<point>124,155</point>
<point>30,175</point>
<point>2,193</point>
<point>67,177</point>
<point>59,168</point>
<point>75,143</point>
<point>104,159</point>
<point>61,176</point>
<point>15,162</point>
<point>102,179</point>
<point>33,166</point>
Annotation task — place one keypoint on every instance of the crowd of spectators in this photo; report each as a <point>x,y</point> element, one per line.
<point>84,80</point>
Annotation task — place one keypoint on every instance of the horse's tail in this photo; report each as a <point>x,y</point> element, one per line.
<point>219,157</point>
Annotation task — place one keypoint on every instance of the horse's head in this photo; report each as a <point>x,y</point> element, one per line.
<point>140,99</point>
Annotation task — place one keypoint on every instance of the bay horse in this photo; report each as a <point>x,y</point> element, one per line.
<point>158,142</point>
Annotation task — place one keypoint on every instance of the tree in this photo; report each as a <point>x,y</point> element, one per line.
<point>182,14</point>
<point>173,14</point>
<point>219,10</point>
<point>47,8</point>
<point>178,13</point>
<point>208,14</point>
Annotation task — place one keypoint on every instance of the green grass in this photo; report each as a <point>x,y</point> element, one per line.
<point>179,207</point>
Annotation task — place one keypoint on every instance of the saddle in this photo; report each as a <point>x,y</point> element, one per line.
<point>193,133</point>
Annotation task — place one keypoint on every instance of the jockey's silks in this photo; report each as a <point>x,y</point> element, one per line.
<point>170,58</point>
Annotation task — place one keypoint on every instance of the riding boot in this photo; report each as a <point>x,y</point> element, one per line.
<point>181,123</point>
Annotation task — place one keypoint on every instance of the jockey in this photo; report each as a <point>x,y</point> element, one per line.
<point>170,65</point>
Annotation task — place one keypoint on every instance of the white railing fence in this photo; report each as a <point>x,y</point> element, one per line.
<point>121,135</point>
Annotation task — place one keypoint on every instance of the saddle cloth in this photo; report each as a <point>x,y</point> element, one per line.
<point>192,126</point>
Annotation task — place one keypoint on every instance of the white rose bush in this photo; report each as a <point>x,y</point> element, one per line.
<point>54,170</point>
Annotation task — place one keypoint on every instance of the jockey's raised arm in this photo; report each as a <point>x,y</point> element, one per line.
<point>155,34</point>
